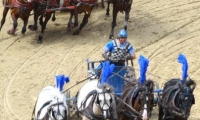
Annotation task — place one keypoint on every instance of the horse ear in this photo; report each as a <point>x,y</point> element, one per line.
<point>180,86</point>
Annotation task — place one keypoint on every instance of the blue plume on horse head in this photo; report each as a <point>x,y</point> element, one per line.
<point>60,81</point>
<point>143,62</point>
<point>182,59</point>
<point>107,69</point>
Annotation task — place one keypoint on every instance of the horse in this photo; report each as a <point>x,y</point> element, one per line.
<point>176,100</point>
<point>51,105</point>
<point>82,6</point>
<point>40,11</point>
<point>96,101</point>
<point>138,100</point>
<point>118,6</point>
<point>18,9</point>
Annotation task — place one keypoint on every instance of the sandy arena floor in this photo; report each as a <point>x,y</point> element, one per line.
<point>158,29</point>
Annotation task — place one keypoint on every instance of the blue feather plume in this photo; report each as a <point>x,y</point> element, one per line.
<point>143,62</point>
<point>60,81</point>
<point>182,59</point>
<point>107,69</point>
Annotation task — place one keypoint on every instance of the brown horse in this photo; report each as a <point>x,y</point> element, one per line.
<point>118,6</point>
<point>40,11</point>
<point>19,9</point>
<point>138,100</point>
<point>176,100</point>
<point>86,7</point>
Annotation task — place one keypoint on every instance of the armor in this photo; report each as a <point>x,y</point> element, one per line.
<point>119,53</point>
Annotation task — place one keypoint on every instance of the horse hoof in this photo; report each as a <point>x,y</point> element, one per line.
<point>76,33</point>
<point>31,27</point>
<point>10,32</point>
<point>39,40</point>
<point>53,19</point>
<point>111,37</point>
<point>68,29</point>
<point>107,15</point>
<point>72,26</point>
<point>23,31</point>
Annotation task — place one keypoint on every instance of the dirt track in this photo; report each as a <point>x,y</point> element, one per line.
<point>159,30</point>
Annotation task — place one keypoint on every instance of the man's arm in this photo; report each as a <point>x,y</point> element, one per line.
<point>132,53</point>
<point>107,49</point>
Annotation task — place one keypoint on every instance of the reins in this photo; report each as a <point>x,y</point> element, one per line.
<point>78,83</point>
<point>136,112</point>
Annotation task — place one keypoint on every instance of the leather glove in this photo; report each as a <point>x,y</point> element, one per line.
<point>105,56</point>
<point>128,57</point>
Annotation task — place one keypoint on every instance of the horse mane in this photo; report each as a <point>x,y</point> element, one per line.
<point>106,86</point>
<point>150,83</point>
<point>59,95</point>
<point>188,82</point>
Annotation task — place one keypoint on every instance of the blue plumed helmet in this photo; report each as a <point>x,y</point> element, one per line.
<point>123,33</point>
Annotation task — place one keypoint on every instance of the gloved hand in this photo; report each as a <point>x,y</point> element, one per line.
<point>105,56</point>
<point>128,57</point>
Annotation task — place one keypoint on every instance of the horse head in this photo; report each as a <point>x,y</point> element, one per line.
<point>105,99</point>
<point>51,104</point>
<point>58,108</point>
<point>95,101</point>
<point>185,98</point>
<point>145,99</point>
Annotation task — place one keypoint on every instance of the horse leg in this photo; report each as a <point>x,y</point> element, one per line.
<point>25,24</point>
<point>15,24</point>
<point>108,9</point>
<point>5,11</point>
<point>36,15</point>
<point>161,113</point>
<point>54,16</point>
<point>75,17</point>
<point>41,19</point>
<point>102,4</point>
<point>113,23</point>
<point>126,19</point>
<point>48,16</point>
<point>84,22</point>
<point>70,24</point>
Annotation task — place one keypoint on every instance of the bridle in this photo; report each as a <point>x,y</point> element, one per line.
<point>50,109</point>
<point>105,103</point>
<point>145,96</point>
<point>187,95</point>
<point>58,111</point>
<point>88,111</point>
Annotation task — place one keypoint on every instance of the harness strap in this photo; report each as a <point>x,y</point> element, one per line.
<point>88,111</point>
<point>44,105</point>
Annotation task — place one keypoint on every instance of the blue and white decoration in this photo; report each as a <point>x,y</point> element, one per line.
<point>60,81</point>
<point>107,69</point>
<point>143,62</point>
<point>182,59</point>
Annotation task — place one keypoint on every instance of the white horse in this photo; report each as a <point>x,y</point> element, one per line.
<point>96,101</point>
<point>51,105</point>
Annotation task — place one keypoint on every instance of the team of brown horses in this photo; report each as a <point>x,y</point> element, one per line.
<point>44,9</point>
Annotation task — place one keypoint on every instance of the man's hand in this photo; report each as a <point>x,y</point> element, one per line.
<point>105,56</point>
<point>128,57</point>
